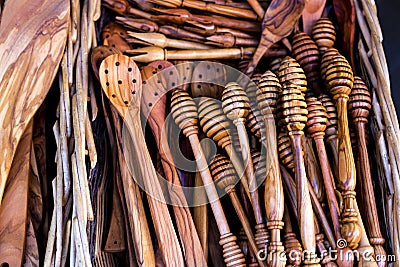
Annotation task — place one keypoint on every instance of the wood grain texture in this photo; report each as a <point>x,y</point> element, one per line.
<point>311,13</point>
<point>121,81</point>
<point>31,45</point>
<point>13,224</point>
<point>278,23</point>
<point>153,107</point>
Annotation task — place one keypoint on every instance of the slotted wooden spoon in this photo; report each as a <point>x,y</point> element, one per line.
<point>26,74</point>
<point>121,81</point>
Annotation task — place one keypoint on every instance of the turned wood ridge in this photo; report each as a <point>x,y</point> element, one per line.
<point>184,112</point>
<point>235,105</point>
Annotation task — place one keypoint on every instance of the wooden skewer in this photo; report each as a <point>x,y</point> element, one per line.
<point>226,178</point>
<point>338,77</point>
<point>153,107</point>
<point>120,80</point>
<point>295,111</point>
<point>267,96</point>
<point>235,104</point>
<point>184,112</point>
<point>359,107</point>
<point>316,124</point>
<point>217,126</point>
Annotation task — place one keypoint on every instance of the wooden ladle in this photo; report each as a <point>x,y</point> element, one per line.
<point>121,82</point>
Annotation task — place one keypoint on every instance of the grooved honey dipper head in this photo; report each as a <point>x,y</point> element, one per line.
<point>324,34</point>
<point>235,102</point>
<point>294,109</point>
<point>223,172</point>
<point>332,123</point>
<point>213,121</point>
<point>285,150</point>
<point>317,117</point>
<point>338,75</point>
<point>290,73</point>
<point>359,100</point>
<point>268,92</point>
<point>260,166</point>
<point>184,112</point>
<point>306,53</point>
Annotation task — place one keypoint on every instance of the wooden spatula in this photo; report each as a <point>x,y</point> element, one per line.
<point>32,38</point>
<point>121,81</point>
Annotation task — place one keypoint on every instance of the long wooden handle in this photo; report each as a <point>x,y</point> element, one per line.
<point>138,224</point>
<point>146,174</point>
<point>304,208</point>
<point>351,231</point>
<point>273,194</point>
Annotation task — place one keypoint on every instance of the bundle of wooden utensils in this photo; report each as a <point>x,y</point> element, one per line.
<point>199,133</point>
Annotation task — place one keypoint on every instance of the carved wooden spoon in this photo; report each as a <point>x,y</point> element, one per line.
<point>278,23</point>
<point>121,82</point>
<point>154,98</point>
<point>26,76</point>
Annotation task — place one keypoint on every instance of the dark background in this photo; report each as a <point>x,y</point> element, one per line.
<point>389,17</point>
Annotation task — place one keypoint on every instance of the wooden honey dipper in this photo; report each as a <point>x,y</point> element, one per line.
<point>217,126</point>
<point>184,112</point>
<point>254,121</point>
<point>290,189</point>
<point>338,77</point>
<point>293,247</point>
<point>226,178</point>
<point>306,53</point>
<point>295,112</point>
<point>359,107</point>
<point>235,104</point>
<point>324,34</point>
<point>267,96</point>
<point>331,136</point>
<point>316,125</point>
<point>290,73</point>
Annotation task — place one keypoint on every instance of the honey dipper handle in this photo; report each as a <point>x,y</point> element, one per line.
<point>347,172</point>
<point>209,185</point>
<point>304,208</point>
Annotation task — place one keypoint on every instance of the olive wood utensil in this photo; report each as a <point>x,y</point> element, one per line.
<point>338,76</point>
<point>226,178</point>
<point>26,76</point>
<point>152,53</point>
<point>209,7</point>
<point>184,112</point>
<point>153,107</point>
<point>295,118</point>
<point>160,40</point>
<point>278,23</point>
<point>267,97</point>
<point>121,82</point>
<point>312,11</point>
<point>235,105</point>
<point>323,33</point>
<point>359,107</point>
<point>14,208</point>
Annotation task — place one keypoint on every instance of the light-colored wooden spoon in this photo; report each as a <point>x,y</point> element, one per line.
<point>31,44</point>
<point>121,82</point>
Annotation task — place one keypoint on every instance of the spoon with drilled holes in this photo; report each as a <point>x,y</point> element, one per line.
<point>121,81</point>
